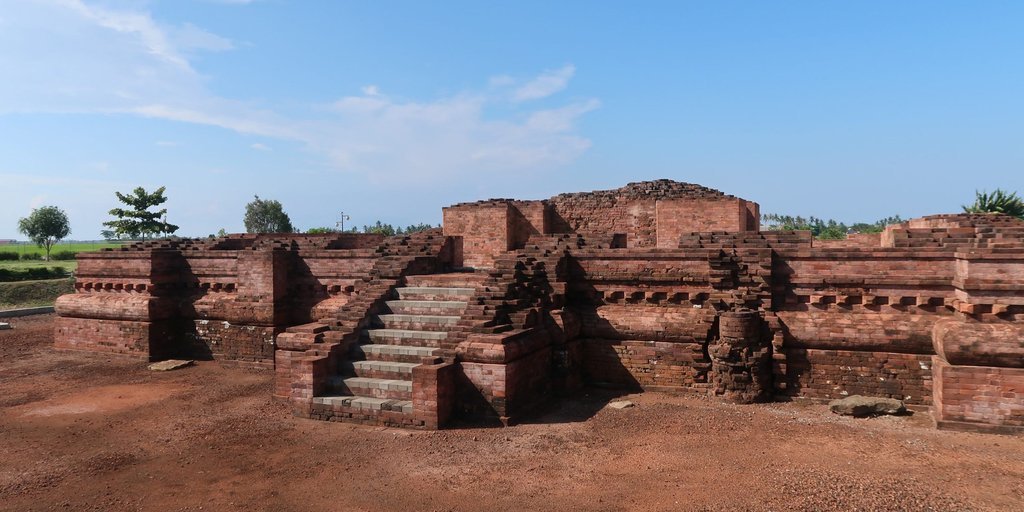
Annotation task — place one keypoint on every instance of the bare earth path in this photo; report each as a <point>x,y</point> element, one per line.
<point>88,432</point>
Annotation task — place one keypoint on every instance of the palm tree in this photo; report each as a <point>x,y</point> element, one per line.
<point>999,201</point>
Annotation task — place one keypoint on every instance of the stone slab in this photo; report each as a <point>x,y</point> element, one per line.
<point>11,313</point>
<point>170,364</point>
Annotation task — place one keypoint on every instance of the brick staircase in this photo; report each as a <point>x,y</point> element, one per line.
<point>377,377</point>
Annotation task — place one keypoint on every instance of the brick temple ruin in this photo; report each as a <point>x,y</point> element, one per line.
<point>656,285</point>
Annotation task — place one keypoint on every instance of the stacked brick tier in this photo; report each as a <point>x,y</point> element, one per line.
<point>223,298</point>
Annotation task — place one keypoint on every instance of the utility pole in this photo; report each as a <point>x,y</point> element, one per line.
<point>341,223</point>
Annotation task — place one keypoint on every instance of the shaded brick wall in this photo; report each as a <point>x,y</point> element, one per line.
<point>634,364</point>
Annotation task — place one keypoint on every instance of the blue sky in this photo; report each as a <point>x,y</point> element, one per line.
<point>391,110</point>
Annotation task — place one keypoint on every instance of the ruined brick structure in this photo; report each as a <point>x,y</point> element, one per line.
<point>657,285</point>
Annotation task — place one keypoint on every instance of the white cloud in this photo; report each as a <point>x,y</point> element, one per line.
<point>37,201</point>
<point>260,147</point>
<point>190,37</point>
<point>74,57</point>
<point>545,85</point>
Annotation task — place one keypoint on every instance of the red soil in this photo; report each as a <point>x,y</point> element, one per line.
<point>89,432</point>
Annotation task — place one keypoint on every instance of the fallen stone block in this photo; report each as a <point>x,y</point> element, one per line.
<point>863,406</point>
<point>4,326</point>
<point>170,364</point>
<point>621,404</point>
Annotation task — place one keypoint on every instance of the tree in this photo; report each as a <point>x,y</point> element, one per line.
<point>999,201</point>
<point>416,227</point>
<point>321,231</point>
<point>139,221</point>
<point>45,226</point>
<point>389,230</point>
<point>108,234</point>
<point>380,229</point>
<point>266,216</point>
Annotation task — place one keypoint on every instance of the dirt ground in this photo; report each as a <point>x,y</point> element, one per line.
<point>91,432</point>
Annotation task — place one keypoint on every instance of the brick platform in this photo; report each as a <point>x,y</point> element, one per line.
<point>657,285</point>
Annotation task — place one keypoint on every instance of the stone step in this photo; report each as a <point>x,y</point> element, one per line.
<point>456,279</point>
<point>365,403</point>
<point>398,353</point>
<point>418,322</point>
<point>405,337</point>
<point>375,369</point>
<point>427,307</point>
<point>435,293</point>
<point>370,387</point>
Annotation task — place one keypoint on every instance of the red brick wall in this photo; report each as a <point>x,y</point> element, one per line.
<point>248,344</point>
<point>528,218</point>
<point>676,217</point>
<point>601,217</point>
<point>884,330</point>
<point>484,229</point>
<point>979,398</point>
<point>637,322</point>
<point>140,339</point>
<point>504,391</point>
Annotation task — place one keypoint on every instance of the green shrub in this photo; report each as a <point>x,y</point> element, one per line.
<point>8,256</point>
<point>31,256</point>
<point>64,255</point>
<point>32,274</point>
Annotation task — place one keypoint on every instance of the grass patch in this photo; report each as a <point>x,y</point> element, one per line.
<point>74,247</point>
<point>30,294</point>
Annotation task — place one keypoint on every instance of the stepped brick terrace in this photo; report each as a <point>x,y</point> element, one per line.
<point>512,304</point>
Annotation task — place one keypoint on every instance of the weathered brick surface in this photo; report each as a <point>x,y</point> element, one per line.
<point>830,374</point>
<point>741,358</point>
<point>979,398</point>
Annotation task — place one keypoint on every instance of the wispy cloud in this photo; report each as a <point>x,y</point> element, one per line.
<point>260,147</point>
<point>75,57</point>
<point>546,84</point>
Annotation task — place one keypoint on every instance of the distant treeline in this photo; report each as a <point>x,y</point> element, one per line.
<point>821,228</point>
<point>377,228</point>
